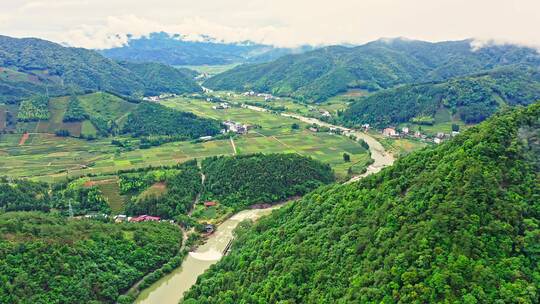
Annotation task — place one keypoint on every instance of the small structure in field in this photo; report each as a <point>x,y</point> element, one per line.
<point>437,140</point>
<point>405,130</point>
<point>145,218</point>
<point>205,138</point>
<point>210,204</point>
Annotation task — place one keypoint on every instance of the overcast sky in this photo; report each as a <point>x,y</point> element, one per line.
<point>105,23</point>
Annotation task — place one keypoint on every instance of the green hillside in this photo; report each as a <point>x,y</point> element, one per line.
<point>33,66</point>
<point>317,75</point>
<point>52,259</point>
<point>458,223</point>
<point>470,99</point>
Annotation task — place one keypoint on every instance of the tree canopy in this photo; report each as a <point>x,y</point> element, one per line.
<point>458,223</point>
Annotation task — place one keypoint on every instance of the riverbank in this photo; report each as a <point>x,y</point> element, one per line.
<point>170,288</point>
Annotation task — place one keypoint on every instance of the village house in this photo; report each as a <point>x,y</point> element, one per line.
<point>151,98</point>
<point>236,127</point>
<point>325,113</point>
<point>120,218</point>
<point>365,127</point>
<point>313,129</point>
<point>455,133</point>
<point>205,138</point>
<point>209,204</point>
<point>405,130</point>
<point>440,135</point>
<point>249,93</point>
<point>437,140</point>
<point>144,218</point>
<point>222,106</point>
<point>390,132</point>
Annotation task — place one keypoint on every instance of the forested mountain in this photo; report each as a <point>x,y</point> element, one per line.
<point>471,98</point>
<point>46,258</point>
<point>458,223</point>
<point>176,50</point>
<point>29,66</point>
<point>317,75</point>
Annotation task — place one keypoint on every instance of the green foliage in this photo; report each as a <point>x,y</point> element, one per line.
<point>320,74</point>
<point>154,119</point>
<point>346,157</point>
<point>74,111</point>
<point>50,259</point>
<point>182,186</point>
<point>33,109</point>
<point>244,180</point>
<point>458,223</point>
<point>23,195</point>
<point>158,78</point>
<point>473,98</point>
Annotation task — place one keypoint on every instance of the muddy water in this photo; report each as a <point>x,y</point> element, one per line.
<point>171,288</point>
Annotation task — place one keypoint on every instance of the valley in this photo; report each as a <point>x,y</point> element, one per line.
<point>161,169</point>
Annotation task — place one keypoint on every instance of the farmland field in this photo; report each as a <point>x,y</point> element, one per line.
<point>57,108</point>
<point>50,158</point>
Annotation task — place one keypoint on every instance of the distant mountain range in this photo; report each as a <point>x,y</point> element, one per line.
<point>176,50</point>
<point>33,66</point>
<point>322,73</point>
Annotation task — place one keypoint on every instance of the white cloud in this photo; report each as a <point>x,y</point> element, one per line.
<point>105,23</point>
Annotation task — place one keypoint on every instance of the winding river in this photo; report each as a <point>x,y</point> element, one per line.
<point>171,288</point>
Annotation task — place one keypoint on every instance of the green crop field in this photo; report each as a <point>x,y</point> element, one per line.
<point>49,158</point>
<point>106,106</point>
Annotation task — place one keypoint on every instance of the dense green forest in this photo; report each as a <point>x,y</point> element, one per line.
<point>26,195</point>
<point>317,75</point>
<point>472,98</point>
<point>244,180</point>
<point>154,119</point>
<point>46,258</point>
<point>32,66</point>
<point>182,185</point>
<point>235,182</point>
<point>74,111</point>
<point>33,109</point>
<point>157,76</point>
<point>458,223</point>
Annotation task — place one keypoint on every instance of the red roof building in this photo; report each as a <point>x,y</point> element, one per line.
<point>144,218</point>
<point>209,204</point>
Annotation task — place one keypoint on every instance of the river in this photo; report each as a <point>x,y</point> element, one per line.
<point>171,288</point>
<point>381,158</point>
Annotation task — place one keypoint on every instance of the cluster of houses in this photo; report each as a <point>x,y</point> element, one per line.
<point>266,96</point>
<point>236,127</point>
<point>406,132</point>
<point>222,106</point>
<point>137,219</point>
<point>159,98</point>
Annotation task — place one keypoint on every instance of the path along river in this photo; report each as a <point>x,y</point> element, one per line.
<point>171,288</point>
